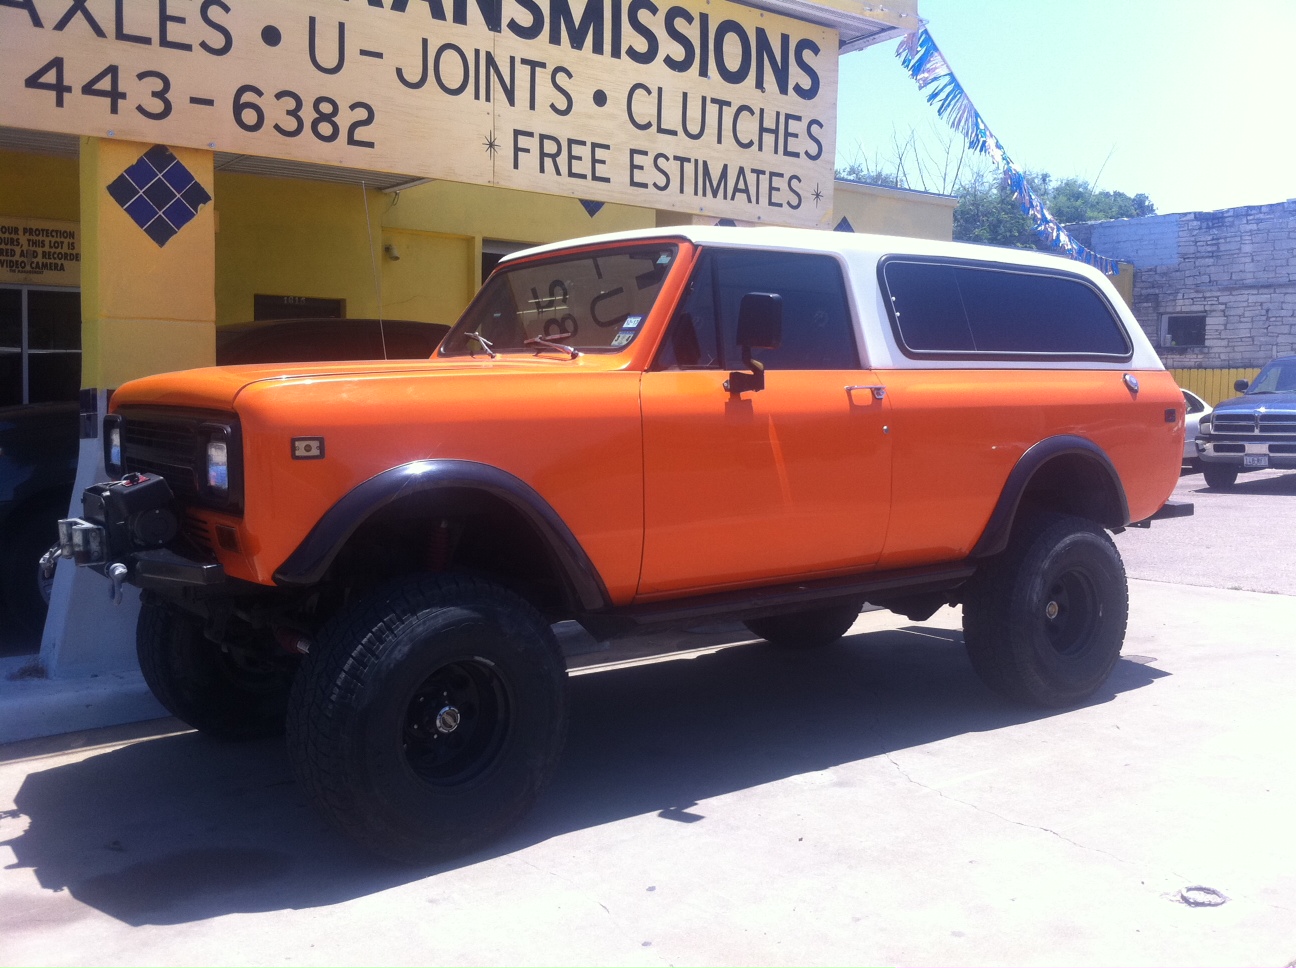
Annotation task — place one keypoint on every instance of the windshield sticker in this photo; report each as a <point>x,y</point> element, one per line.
<point>632,322</point>
<point>622,338</point>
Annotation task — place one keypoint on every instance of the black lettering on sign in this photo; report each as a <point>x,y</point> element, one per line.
<point>29,6</point>
<point>205,12</point>
<point>312,48</point>
<point>165,20</point>
<point>78,7</point>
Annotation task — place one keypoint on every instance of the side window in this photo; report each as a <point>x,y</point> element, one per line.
<point>953,310</point>
<point>817,329</point>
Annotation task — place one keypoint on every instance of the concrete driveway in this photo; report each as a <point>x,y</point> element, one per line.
<point>868,803</point>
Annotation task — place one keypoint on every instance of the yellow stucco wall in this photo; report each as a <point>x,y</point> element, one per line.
<point>889,211</point>
<point>39,186</point>
<point>286,237</point>
<point>145,308</point>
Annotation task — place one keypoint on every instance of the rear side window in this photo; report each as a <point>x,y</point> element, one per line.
<point>959,310</point>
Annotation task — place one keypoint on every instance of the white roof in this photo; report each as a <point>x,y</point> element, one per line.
<point>850,245</point>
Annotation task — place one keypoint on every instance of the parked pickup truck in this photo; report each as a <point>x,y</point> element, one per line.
<point>639,430</point>
<point>1253,432</point>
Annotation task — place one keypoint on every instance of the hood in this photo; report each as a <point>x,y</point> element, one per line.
<point>218,387</point>
<point>1253,402</point>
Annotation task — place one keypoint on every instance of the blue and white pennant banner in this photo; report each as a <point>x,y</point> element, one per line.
<point>925,63</point>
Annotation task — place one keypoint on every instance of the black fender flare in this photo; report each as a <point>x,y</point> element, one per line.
<point>308,563</point>
<point>998,529</point>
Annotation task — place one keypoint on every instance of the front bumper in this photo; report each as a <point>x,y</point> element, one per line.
<point>127,532</point>
<point>1248,454</point>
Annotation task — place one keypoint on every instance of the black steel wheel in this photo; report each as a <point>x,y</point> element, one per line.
<point>428,718</point>
<point>232,691</point>
<point>806,630</point>
<point>1044,621</point>
<point>1219,476</point>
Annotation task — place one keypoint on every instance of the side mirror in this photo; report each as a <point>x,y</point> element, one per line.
<point>760,326</point>
<point>1241,385</point>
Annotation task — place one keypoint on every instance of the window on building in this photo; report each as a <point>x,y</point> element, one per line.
<point>1183,329</point>
<point>817,330</point>
<point>955,310</point>
<point>40,344</point>
<point>296,307</point>
<point>493,250</point>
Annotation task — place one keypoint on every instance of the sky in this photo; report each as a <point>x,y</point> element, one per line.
<point>1192,103</point>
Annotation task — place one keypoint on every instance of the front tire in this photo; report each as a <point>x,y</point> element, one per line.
<point>227,691</point>
<point>805,630</point>
<point>428,718</point>
<point>1219,476</point>
<point>1044,621</point>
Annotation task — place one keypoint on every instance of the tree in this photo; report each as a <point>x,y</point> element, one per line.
<point>987,211</point>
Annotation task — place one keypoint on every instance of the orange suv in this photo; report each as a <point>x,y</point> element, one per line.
<point>639,430</point>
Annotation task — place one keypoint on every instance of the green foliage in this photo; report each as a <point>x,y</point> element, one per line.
<point>987,211</point>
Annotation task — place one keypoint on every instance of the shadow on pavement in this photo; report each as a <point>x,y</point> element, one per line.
<point>182,828</point>
<point>1279,484</point>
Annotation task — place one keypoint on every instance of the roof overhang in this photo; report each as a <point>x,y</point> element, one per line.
<point>858,24</point>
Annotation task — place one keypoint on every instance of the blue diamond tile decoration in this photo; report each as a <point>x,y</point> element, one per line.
<point>844,225</point>
<point>159,194</point>
<point>591,208</point>
<point>727,223</point>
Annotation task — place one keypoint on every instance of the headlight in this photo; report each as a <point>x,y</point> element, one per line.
<point>220,474</point>
<point>1204,427</point>
<point>112,431</point>
<point>218,468</point>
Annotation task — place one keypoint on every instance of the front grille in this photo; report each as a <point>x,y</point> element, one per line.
<point>197,531</point>
<point>1233,423</point>
<point>1251,423</point>
<point>1278,423</point>
<point>173,445</point>
<point>167,447</point>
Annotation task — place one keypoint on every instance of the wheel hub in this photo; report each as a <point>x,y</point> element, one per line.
<point>447,720</point>
<point>456,722</point>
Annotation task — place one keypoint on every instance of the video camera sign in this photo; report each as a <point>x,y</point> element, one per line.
<point>700,106</point>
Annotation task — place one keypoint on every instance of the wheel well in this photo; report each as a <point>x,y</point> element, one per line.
<point>1074,484</point>
<point>454,529</point>
<point>1069,475</point>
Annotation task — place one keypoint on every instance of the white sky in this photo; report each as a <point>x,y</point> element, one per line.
<point>1190,102</point>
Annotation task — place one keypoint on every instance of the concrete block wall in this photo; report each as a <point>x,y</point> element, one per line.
<point>1238,266</point>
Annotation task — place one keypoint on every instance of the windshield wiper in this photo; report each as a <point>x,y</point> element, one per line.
<point>483,342</point>
<point>551,343</point>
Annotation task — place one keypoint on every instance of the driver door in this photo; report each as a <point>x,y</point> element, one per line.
<point>789,482</point>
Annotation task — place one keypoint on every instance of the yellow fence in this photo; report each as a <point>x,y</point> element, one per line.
<point>1214,385</point>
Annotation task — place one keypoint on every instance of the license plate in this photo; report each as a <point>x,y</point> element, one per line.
<point>1255,460</point>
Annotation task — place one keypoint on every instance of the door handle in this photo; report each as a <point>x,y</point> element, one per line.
<point>878,391</point>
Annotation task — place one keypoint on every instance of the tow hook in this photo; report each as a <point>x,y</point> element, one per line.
<point>117,572</point>
<point>50,559</point>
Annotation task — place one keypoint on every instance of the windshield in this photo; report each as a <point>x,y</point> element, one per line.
<point>1277,377</point>
<point>596,301</point>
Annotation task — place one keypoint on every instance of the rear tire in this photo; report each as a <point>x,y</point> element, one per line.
<point>429,717</point>
<point>1219,476</point>
<point>806,630</point>
<point>226,693</point>
<point>1044,621</point>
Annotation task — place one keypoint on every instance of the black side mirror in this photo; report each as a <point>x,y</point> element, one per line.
<point>1241,385</point>
<point>760,326</point>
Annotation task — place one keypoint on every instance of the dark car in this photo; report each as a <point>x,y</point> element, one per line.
<point>38,462</point>
<point>39,443</point>
<point>1254,431</point>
